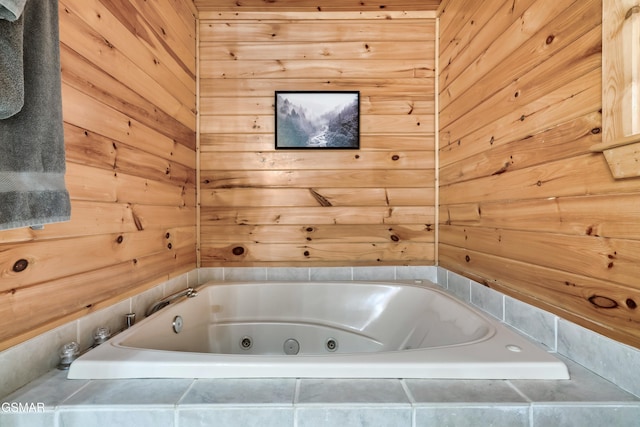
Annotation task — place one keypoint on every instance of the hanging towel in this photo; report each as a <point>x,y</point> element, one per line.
<point>11,68</point>
<point>11,9</point>
<point>32,158</point>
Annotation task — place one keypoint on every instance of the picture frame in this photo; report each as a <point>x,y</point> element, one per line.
<point>320,120</point>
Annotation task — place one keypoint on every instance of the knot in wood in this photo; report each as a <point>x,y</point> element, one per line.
<point>238,250</point>
<point>603,302</point>
<point>630,12</point>
<point>20,265</point>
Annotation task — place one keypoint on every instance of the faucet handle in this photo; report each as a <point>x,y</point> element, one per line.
<point>101,334</point>
<point>130,319</point>
<point>68,353</point>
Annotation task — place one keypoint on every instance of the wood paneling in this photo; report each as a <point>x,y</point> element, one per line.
<point>373,206</point>
<point>313,6</point>
<point>525,207</point>
<point>128,84</point>
<point>621,90</point>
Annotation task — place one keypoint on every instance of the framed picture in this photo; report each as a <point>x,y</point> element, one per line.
<point>317,120</point>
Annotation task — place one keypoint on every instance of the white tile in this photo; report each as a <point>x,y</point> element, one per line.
<point>330,273</point>
<point>442,277</point>
<point>29,360</point>
<point>141,302</point>
<point>466,416</point>
<point>362,391</point>
<point>176,284</point>
<point>208,274</point>
<point>374,273</point>
<point>417,273</point>
<point>612,360</point>
<point>241,392</point>
<point>591,415</point>
<point>143,417</point>
<point>584,386</point>
<point>487,299</point>
<point>130,392</point>
<point>465,391</point>
<point>51,389</point>
<point>22,419</point>
<point>236,417</point>
<point>288,273</point>
<point>460,286</point>
<point>531,321</point>
<point>192,278</point>
<point>245,273</point>
<point>353,417</point>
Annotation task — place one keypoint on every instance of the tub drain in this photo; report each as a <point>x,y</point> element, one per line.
<point>246,343</point>
<point>291,346</point>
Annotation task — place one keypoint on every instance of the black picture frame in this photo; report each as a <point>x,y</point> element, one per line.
<point>317,120</point>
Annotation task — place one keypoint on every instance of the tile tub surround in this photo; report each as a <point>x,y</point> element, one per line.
<point>617,362</point>
<point>547,402</point>
<point>321,402</point>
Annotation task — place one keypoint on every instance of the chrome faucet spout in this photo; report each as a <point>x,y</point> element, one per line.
<point>159,305</point>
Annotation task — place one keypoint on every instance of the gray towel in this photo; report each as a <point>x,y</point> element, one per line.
<point>32,158</point>
<point>11,68</point>
<point>11,9</point>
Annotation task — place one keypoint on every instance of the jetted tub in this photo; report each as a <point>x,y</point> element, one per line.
<point>320,330</point>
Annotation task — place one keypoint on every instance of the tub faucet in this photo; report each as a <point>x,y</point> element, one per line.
<point>159,305</point>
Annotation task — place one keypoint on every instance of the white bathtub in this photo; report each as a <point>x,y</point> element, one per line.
<point>337,329</point>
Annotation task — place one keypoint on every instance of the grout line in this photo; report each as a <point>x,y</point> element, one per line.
<point>504,308</point>
<point>517,390</point>
<point>407,391</point>
<point>178,403</point>
<point>556,325</point>
<point>79,390</point>
<point>296,393</point>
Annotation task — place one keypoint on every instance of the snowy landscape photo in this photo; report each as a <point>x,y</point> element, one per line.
<point>329,120</point>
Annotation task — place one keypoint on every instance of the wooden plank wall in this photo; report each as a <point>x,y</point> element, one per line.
<point>313,5</point>
<point>130,145</point>
<point>373,206</point>
<point>526,208</point>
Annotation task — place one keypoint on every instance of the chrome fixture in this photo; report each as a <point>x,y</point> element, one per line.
<point>177,324</point>
<point>68,353</point>
<point>101,335</point>
<point>291,346</point>
<point>159,305</point>
<point>130,320</point>
<point>246,342</point>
